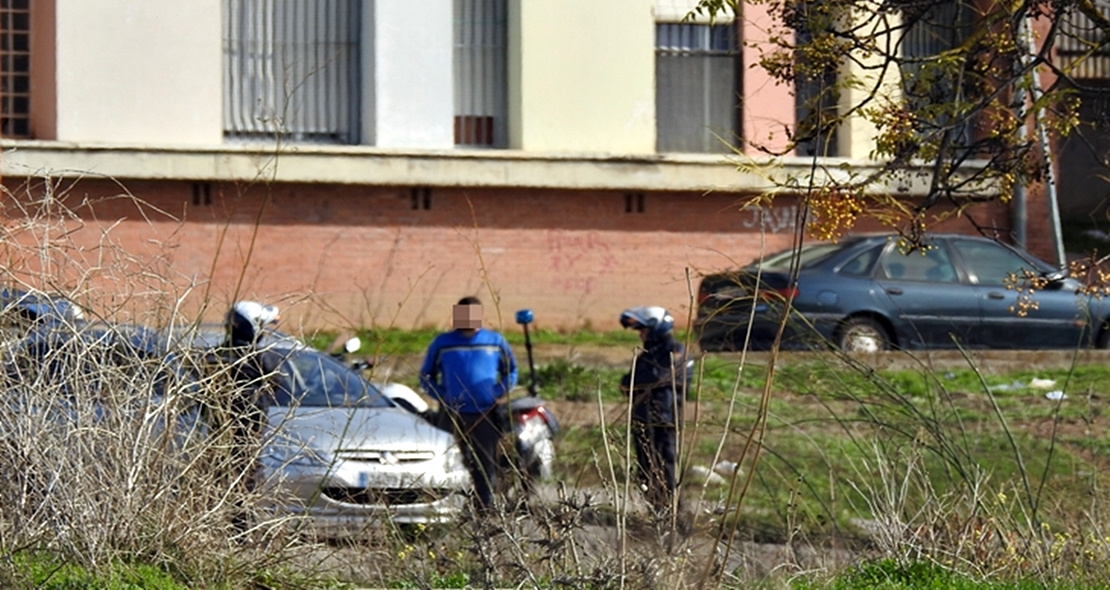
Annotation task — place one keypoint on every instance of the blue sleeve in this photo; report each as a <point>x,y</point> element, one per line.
<point>430,372</point>
<point>509,378</point>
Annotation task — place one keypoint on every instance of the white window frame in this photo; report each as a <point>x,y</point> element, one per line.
<point>711,123</point>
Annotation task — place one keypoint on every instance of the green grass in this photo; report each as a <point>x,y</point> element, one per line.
<point>46,572</point>
<point>845,444</point>
<point>829,426</point>
<point>393,341</point>
<point>891,575</point>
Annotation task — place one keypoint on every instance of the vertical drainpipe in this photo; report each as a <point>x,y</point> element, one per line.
<point>1019,216</point>
<point>1046,153</point>
<point>1019,211</point>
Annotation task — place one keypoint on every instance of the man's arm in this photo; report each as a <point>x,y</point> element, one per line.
<point>430,372</point>
<point>508,368</point>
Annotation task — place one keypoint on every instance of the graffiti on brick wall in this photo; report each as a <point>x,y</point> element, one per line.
<point>577,259</point>
<point>776,220</point>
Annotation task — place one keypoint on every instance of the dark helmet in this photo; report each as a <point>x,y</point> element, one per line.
<point>655,318</point>
<point>246,319</point>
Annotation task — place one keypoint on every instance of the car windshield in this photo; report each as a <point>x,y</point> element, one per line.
<point>312,379</point>
<point>809,255</point>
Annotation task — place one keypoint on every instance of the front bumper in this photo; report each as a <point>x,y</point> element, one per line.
<point>344,498</point>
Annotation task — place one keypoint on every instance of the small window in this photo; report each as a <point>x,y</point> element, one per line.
<point>696,92</point>
<point>861,265</point>
<point>15,68</point>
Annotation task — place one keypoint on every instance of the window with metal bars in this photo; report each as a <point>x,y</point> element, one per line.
<point>816,92</point>
<point>481,86</point>
<point>15,68</point>
<point>292,70</point>
<point>1080,43</point>
<point>696,87</point>
<point>929,85</point>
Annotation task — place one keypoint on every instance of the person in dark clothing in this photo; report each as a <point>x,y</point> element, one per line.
<point>656,387</point>
<point>469,370</point>
<point>243,413</point>
<point>239,353</point>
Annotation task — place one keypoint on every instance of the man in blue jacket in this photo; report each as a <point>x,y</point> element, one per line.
<point>468,371</point>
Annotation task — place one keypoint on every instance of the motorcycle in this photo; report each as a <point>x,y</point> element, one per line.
<point>534,425</point>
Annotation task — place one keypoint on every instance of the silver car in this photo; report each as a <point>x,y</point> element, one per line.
<point>344,455</point>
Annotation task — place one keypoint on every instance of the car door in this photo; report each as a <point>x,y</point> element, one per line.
<point>932,306</point>
<point>1045,318</point>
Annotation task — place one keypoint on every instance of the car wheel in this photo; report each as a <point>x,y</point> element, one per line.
<point>862,335</point>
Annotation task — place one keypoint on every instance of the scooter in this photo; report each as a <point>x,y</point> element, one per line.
<point>534,425</point>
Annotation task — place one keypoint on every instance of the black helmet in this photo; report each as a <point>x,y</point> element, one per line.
<point>246,319</point>
<point>654,318</point>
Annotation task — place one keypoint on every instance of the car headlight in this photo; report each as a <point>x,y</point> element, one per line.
<point>453,459</point>
<point>281,455</point>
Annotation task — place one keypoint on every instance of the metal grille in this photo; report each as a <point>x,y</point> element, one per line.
<point>15,68</point>
<point>816,98</point>
<point>696,87</point>
<point>935,28</point>
<point>1078,45</point>
<point>292,70</point>
<point>941,27</point>
<point>481,87</point>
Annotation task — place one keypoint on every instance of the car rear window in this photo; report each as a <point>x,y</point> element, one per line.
<point>809,255</point>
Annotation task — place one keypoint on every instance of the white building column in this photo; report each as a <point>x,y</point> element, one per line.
<point>408,86</point>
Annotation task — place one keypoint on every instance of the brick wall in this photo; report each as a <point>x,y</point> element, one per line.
<point>339,256</point>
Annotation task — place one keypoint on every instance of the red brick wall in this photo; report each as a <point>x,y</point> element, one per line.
<point>338,256</point>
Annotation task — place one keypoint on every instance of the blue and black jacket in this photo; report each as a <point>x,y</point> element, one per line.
<point>468,374</point>
<point>658,386</point>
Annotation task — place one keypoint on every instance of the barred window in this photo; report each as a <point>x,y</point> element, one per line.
<point>696,87</point>
<point>1080,42</point>
<point>481,86</point>
<point>816,92</point>
<point>292,70</point>
<point>926,83</point>
<point>15,68</point>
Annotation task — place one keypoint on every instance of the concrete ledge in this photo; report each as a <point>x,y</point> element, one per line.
<point>454,168</point>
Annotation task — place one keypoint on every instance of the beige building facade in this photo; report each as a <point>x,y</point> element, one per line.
<point>575,158</point>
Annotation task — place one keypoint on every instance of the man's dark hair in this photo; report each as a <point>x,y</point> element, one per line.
<point>470,300</point>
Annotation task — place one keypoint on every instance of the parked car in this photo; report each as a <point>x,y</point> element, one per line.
<point>343,454</point>
<point>867,293</point>
<point>91,398</point>
<point>23,308</point>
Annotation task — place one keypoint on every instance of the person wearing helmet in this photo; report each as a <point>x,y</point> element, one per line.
<point>245,321</point>
<point>243,413</point>
<point>656,387</point>
<point>469,371</point>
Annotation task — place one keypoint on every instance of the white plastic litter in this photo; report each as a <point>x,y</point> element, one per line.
<point>1056,395</point>
<point>725,467</point>
<point>1038,383</point>
<point>703,473</point>
<point>1007,386</point>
